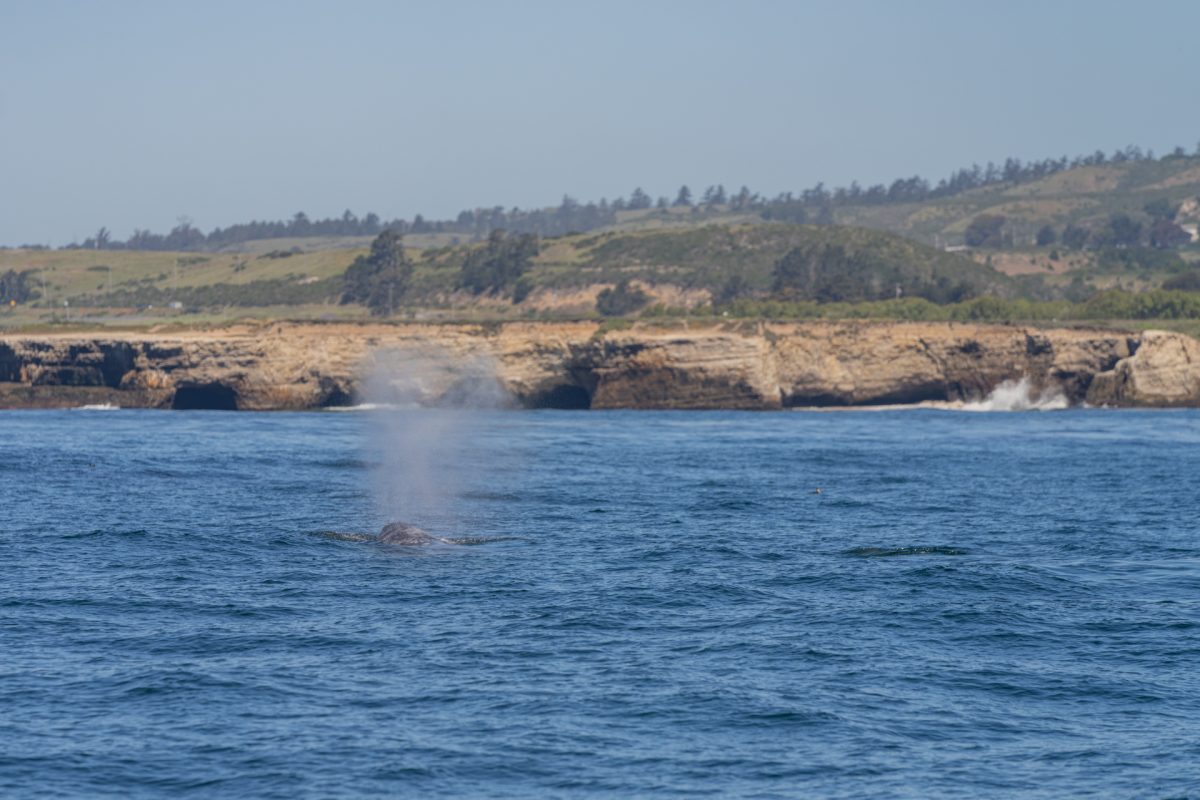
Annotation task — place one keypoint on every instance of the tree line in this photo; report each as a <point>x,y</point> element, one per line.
<point>814,205</point>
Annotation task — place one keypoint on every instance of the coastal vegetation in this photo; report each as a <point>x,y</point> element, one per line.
<point>499,264</point>
<point>14,287</point>
<point>621,299</point>
<point>1104,237</point>
<point>379,279</point>
<point>1109,305</point>
<point>767,269</point>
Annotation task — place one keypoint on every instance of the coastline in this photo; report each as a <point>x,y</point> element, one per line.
<point>722,365</point>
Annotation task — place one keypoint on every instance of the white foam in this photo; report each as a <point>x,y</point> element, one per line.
<point>98,407</point>
<point>1018,395</point>
<point>375,407</point>
<point>1011,395</point>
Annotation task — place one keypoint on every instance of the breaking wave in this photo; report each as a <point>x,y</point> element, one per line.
<point>376,407</point>
<point>1019,395</point>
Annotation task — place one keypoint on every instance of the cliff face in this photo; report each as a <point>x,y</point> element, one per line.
<point>766,366</point>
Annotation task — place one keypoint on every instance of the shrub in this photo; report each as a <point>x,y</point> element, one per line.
<point>986,230</point>
<point>621,299</point>
<point>1187,282</point>
<point>522,289</point>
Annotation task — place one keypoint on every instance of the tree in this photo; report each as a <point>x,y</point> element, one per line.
<point>1166,234</point>
<point>986,230</point>
<point>736,286</point>
<point>100,241</point>
<point>684,198</point>
<point>381,278</point>
<point>1187,282</point>
<point>1075,236</point>
<point>817,272</point>
<point>499,263</point>
<point>1046,236</point>
<point>639,200</point>
<point>715,196</point>
<point>1122,230</point>
<point>183,237</point>
<point>300,224</point>
<point>621,299</point>
<point>1161,208</point>
<point>785,211</point>
<point>14,287</point>
<point>522,289</point>
<point>833,272</point>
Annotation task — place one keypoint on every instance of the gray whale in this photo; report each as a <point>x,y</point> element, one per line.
<point>405,535</point>
<point>925,550</point>
<point>402,533</point>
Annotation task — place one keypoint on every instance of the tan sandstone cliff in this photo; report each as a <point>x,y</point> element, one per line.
<point>745,365</point>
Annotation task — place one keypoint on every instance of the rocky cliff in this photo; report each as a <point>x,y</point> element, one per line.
<point>578,365</point>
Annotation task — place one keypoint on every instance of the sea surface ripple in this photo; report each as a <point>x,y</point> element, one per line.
<point>974,605</point>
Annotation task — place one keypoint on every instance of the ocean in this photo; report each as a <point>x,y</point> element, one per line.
<point>972,604</point>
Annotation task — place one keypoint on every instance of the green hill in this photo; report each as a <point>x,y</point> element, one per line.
<point>700,259</point>
<point>1104,224</point>
<point>709,257</point>
<point>1084,196</point>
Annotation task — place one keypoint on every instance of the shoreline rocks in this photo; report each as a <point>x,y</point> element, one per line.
<point>762,366</point>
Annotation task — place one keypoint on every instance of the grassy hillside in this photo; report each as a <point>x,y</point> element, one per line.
<point>683,256</point>
<point>1083,195</point>
<point>1086,195</point>
<point>697,259</point>
<point>708,257</point>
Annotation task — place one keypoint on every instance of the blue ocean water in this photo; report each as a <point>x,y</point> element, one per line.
<point>975,605</point>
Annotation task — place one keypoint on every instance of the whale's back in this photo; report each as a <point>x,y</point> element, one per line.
<point>403,533</point>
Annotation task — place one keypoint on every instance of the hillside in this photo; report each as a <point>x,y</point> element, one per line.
<point>684,267</point>
<point>708,257</point>
<point>1083,196</point>
<point>1056,192</point>
<point>682,258</point>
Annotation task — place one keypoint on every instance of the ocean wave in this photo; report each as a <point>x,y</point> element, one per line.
<point>1019,395</point>
<point>376,407</point>
<point>1010,395</point>
<point>98,407</point>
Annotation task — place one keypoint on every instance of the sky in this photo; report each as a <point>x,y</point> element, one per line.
<point>131,114</point>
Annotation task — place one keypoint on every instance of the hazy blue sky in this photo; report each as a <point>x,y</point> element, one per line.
<point>130,114</point>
